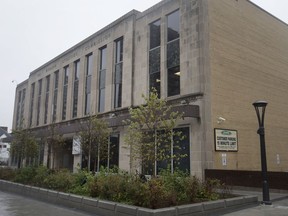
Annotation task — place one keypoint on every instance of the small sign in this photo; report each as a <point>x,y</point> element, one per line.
<point>225,140</point>
<point>76,145</point>
<point>224,159</point>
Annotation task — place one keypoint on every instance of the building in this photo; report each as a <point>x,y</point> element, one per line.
<point>5,140</point>
<point>210,59</point>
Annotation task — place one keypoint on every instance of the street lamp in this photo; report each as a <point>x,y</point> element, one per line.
<point>260,111</point>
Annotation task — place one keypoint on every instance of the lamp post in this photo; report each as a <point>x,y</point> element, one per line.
<point>260,112</point>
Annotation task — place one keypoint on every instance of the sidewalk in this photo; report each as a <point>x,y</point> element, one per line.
<point>279,205</point>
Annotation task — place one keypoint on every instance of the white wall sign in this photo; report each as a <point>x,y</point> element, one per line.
<point>76,145</point>
<point>225,140</point>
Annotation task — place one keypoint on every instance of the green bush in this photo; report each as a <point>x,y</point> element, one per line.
<point>81,181</point>
<point>162,191</point>
<point>25,175</point>
<point>6,173</point>
<point>60,180</point>
<point>41,173</point>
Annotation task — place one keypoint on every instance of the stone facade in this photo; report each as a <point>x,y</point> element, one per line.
<point>232,53</point>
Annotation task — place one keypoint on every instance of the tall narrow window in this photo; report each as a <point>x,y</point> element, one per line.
<point>113,151</point>
<point>55,96</point>
<point>39,102</point>
<point>31,109</point>
<point>102,78</point>
<point>65,90</point>
<point>181,146</point>
<point>118,73</point>
<point>173,53</point>
<point>111,159</point>
<point>47,99</point>
<point>76,87</point>
<point>22,105</point>
<point>18,108</point>
<point>89,67</point>
<point>154,56</point>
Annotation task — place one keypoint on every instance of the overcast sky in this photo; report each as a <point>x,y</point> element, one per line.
<point>35,31</point>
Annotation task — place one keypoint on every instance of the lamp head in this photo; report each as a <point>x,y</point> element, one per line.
<point>260,104</point>
<point>260,111</point>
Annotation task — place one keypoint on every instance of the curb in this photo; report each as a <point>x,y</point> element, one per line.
<point>107,208</point>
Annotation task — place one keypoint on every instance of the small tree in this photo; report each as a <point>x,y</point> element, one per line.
<point>150,132</point>
<point>55,142</point>
<point>94,140</point>
<point>24,146</point>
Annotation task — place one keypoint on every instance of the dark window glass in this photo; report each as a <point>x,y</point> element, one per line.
<point>23,104</point>
<point>54,107</point>
<point>154,60</point>
<point>88,84</point>
<point>118,73</point>
<point>18,108</point>
<point>173,54</point>
<point>119,50</point>
<point>31,103</point>
<point>118,93</point>
<point>103,57</point>
<point>89,67</point>
<point>102,79</point>
<point>76,70</point>
<point>39,102</point>
<point>181,152</point>
<point>154,56</point>
<point>76,88</point>
<point>56,79</point>
<point>182,147</point>
<point>174,81</point>
<point>114,151</point>
<point>87,105</point>
<point>55,96</point>
<point>155,82</point>
<point>47,99</point>
<point>101,107</point>
<point>173,26</point>
<point>65,91</point>
<point>155,34</point>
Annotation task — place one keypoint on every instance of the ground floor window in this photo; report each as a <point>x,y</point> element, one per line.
<point>179,147</point>
<point>109,157</point>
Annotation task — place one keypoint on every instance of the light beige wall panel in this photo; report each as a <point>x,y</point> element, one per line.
<point>249,61</point>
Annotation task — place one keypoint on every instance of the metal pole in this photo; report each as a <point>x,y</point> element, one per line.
<point>265,185</point>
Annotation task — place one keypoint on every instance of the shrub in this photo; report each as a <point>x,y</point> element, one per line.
<point>161,191</point>
<point>81,181</point>
<point>6,173</point>
<point>110,186</point>
<point>60,180</point>
<point>25,175</point>
<point>41,173</point>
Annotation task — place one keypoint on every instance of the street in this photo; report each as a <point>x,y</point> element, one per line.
<point>14,205</point>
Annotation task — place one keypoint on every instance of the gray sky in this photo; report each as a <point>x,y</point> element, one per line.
<point>35,31</point>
